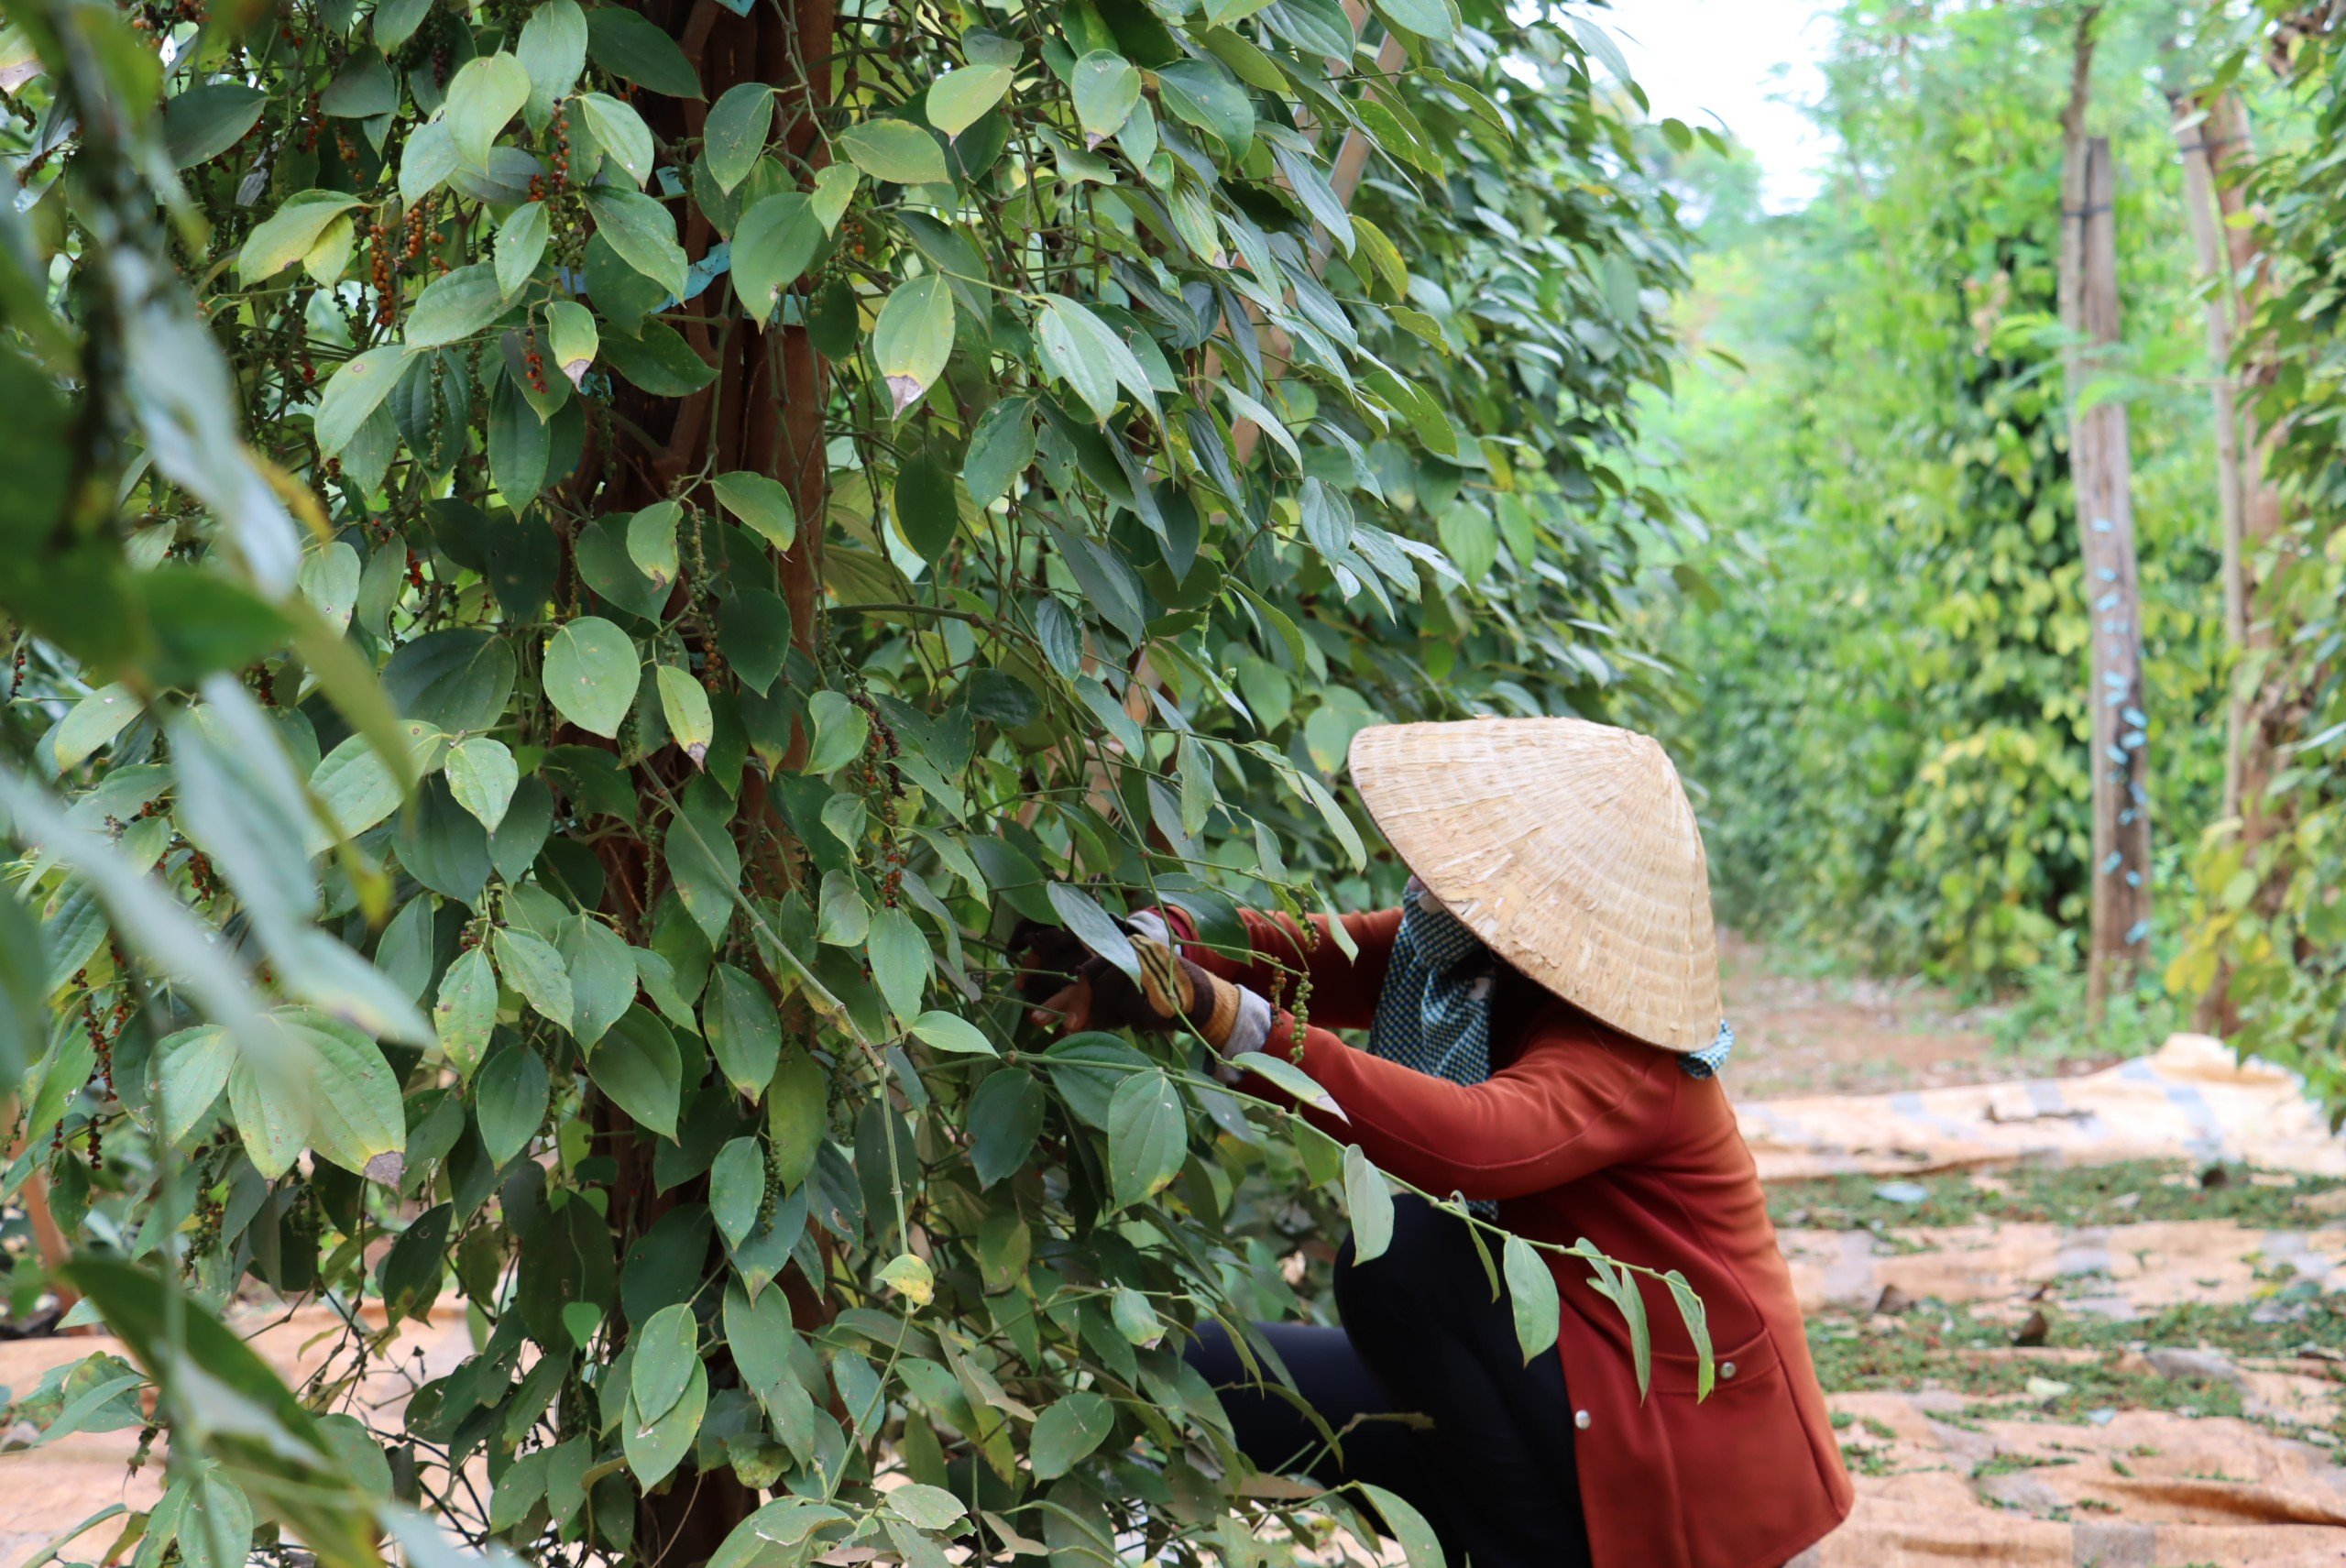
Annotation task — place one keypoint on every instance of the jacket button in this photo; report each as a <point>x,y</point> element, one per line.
<point>1727,1369</point>
<point>1580,1420</point>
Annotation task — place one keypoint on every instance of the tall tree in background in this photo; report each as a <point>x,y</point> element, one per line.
<point>2211,129</point>
<point>2267,952</point>
<point>2202,147</point>
<point>2101,472</point>
<point>1896,735</point>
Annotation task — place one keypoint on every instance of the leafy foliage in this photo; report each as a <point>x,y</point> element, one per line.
<point>1890,629</point>
<point>576,570</point>
<point>2267,913</point>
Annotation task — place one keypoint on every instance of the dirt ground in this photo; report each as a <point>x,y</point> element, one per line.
<point>2066,1322</point>
<point>1798,1031</point>
<point>89,1477</point>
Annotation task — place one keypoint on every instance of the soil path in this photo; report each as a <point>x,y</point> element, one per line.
<point>1802,1030</point>
<point>2135,1364</point>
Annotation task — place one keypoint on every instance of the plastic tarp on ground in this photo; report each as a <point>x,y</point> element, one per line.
<point>1944,1478</point>
<point>2191,1099</point>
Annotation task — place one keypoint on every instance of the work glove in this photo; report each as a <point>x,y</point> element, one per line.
<point>1073,989</point>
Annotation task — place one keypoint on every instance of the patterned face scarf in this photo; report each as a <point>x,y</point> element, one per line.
<point>1434,1015</point>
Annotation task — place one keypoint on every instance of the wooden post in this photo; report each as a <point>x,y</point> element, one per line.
<point>49,1243</point>
<point>762,411</point>
<point>2102,480</point>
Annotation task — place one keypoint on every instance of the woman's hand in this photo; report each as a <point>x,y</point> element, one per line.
<point>1073,989</point>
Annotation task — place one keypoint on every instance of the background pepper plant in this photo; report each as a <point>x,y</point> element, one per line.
<point>2263,937</point>
<point>571,572</point>
<point>1893,732</point>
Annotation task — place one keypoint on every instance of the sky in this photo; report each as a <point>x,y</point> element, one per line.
<point>1746,62</point>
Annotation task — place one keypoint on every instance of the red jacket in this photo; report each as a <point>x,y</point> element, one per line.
<point>1583,1132</point>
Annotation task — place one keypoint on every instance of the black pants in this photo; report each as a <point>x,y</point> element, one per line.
<point>1494,1474</point>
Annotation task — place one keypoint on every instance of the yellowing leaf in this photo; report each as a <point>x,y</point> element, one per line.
<point>911,1279</point>
<point>913,338</point>
<point>686,707</point>
<point>287,234</point>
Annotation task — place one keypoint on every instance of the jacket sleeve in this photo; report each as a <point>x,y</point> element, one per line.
<point>1570,1104</point>
<point>1343,990</point>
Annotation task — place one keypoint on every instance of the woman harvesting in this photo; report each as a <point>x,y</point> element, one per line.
<point>1543,1040</point>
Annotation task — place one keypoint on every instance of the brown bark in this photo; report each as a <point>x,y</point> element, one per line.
<point>764,412</point>
<point>682,1526</point>
<point>2213,132</point>
<point>1343,178</point>
<point>49,1243</point>
<point>2226,134</point>
<point>2101,477</point>
<point>2261,712</point>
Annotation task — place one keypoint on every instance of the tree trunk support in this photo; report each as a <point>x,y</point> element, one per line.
<point>2102,480</point>
<point>764,412</point>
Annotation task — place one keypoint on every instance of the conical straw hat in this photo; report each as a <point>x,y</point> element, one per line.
<point>1570,848</point>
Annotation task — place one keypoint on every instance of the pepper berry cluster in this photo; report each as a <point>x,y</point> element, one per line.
<point>386,293</point>
<point>533,359</point>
